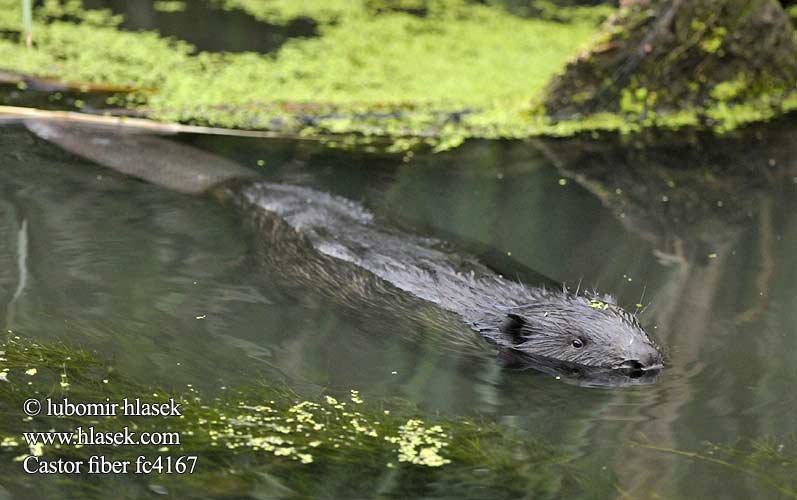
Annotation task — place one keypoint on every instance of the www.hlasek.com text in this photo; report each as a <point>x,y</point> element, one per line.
<point>90,437</point>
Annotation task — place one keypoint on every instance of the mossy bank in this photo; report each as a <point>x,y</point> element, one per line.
<point>433,71</point>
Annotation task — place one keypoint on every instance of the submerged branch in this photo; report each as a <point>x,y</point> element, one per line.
<point>143,124</point>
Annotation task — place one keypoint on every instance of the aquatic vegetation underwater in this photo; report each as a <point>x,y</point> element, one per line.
<point>770,461</point>
<point>265,436</point>
<point>266,439</point>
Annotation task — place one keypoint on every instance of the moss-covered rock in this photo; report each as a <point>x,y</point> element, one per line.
<point>667,56</point>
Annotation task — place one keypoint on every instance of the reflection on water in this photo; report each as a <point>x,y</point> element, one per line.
<point>163,284</point>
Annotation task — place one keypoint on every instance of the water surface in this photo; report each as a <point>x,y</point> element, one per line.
<point>126,269</point>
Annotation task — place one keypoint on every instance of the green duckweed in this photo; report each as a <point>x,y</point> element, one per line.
<point>246,432</point>
<point>410,72</point>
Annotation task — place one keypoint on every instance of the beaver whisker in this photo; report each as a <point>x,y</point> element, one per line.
<point>579,284</point>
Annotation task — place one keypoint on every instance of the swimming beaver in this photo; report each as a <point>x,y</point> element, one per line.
<point>334,245</point>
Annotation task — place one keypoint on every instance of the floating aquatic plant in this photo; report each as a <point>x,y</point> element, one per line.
<point>376,68</point>
<point>245,433</point>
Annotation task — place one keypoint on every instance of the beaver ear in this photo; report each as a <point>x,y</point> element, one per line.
<point>513,327</point>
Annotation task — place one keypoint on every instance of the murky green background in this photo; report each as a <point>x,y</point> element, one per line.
<point>124,268</point>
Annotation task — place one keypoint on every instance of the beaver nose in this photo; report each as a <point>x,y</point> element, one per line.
<point>631,364</point>
<point>646,361</point>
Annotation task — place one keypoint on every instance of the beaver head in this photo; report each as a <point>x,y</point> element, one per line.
<point>581,329</point>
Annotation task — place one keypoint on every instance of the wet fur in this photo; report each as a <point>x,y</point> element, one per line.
<point>396,281</point>
<point>336,246</point>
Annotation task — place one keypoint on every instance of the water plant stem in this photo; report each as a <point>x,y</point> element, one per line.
<point>27,22</point>
<point>785,490</point>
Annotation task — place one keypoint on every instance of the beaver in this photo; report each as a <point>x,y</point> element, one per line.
<point>369,267</point>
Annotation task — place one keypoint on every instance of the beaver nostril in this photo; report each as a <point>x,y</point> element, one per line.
<point>632,368</point>
<point>636,373</point>
<point>632,364</point>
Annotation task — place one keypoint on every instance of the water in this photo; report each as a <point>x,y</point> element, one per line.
<point>124,268</point>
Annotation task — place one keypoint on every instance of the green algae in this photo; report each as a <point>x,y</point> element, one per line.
<point>413,72</point>
<point>714,41</point>
<point>371,57</point>
<point>729,90</point>
<point>245,433</point>
<point>169,6</point>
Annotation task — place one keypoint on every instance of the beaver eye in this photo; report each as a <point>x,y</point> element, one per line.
<point>578,343</point>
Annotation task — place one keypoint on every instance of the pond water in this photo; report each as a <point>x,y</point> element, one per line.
<point>161,284</point>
